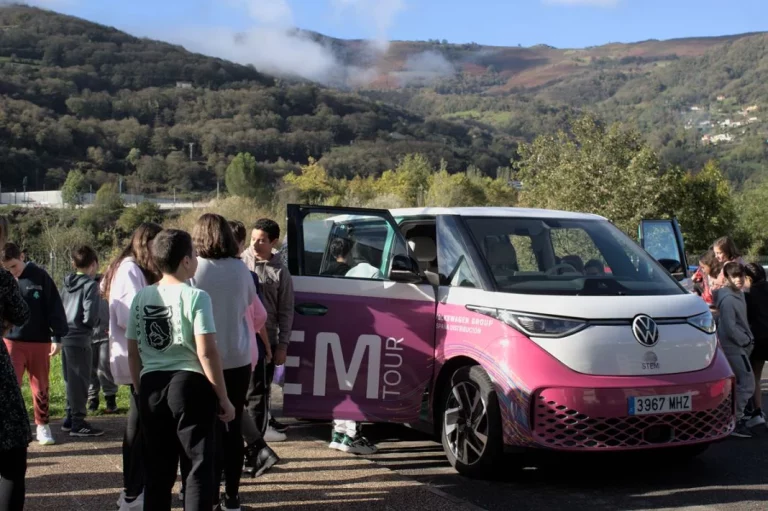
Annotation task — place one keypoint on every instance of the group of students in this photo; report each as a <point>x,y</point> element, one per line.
<point>737,294</point>
<point>196,323</point>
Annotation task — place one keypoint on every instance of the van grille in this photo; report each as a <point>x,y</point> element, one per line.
<point>562,427</point>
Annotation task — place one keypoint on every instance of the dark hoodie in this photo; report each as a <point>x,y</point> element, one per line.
<point>81,301</point>
<point>46,315</point>
<point>757,310</point>
<point>733,326</point>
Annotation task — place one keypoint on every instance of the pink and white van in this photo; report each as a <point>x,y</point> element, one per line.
<point>503,328</point>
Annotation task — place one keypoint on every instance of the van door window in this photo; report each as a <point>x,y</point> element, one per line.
<point>453,263</point>
<point>352,246</point>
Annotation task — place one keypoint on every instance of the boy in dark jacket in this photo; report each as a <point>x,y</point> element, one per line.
<point>81,302</point>
<point>101,373</point>
<point>30,345</point>
<point>736,339</point>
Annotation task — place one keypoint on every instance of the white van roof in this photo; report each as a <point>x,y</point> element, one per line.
<point>495,212</point>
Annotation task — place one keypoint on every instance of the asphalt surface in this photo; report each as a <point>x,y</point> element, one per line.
<point>731,475</point>
<point>410,472</point>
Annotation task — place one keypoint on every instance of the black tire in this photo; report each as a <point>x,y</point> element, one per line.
<point>462,433</point>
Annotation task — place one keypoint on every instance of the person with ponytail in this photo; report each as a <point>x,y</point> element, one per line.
<point>129,273</point>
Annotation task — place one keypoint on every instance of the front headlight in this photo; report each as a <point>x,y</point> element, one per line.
<point>704,322</point>
<point>534,325</point>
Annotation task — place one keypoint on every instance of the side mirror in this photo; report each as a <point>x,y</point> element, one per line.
<point>404,269</point>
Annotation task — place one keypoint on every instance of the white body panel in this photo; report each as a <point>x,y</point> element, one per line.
<point>610,350</point>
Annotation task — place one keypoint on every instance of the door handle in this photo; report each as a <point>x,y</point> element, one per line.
<point>311,309</point>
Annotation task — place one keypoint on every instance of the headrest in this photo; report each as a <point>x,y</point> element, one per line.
<point>500,253</point>
<point>423,248</point>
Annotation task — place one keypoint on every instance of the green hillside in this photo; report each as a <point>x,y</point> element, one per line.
<point>74,94</point>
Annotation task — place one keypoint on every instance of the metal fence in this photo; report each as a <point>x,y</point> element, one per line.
<point>59,264</point>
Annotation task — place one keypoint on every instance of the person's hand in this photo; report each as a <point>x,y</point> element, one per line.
<point>279,355</point>
<point>226,411</point>
<point>55,349</point>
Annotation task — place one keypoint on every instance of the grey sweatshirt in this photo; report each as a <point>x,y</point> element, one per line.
<point>232,290</point>
<point>80,297</point>
<point>277,288</point>
<point>732,327</point>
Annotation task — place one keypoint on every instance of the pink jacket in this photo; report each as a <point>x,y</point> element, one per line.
<point>255,318</point>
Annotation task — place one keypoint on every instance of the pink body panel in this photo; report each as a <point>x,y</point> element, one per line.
<point>526,376</point>
<point>403,358</point>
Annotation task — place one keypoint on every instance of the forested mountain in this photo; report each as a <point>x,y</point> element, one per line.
<point>74,94</point>
<point>682,93</point>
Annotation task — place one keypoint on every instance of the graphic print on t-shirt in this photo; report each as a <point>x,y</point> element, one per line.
<point>158,326</point>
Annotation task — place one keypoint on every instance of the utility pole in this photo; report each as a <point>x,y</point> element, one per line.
<point>191,146</point>
<point>217,188</point>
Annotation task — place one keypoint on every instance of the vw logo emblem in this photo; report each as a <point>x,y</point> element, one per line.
<point>646,330</point>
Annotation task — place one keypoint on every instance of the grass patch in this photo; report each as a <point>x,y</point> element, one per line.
<point>58,394</point>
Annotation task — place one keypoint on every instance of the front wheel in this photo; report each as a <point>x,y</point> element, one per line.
<point>471,423</point>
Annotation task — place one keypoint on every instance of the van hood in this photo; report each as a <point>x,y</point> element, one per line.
<point>608,346</point>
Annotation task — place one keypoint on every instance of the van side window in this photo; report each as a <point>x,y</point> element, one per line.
<point>453,265</point>
<point>526,258</point>
<point>349,246</point>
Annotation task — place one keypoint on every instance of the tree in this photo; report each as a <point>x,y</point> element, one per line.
<point>313,184</point>
<point>704,207</point>
<point>72,193</point>
<point>753,218</point>
<point>409,180</point>
<point>244,178</point>
<point>108,201</point>
<point>132,218</point>
<point>607,171</point>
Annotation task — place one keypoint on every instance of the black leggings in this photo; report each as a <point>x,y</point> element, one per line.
<point>13,469</point>
<point>230,448</point>
<point>133,462</point>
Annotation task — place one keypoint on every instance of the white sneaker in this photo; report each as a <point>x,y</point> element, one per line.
<point>758,419</point>
<point>274,436</point>
<point>136,505</point>
<point>359,445</point>
<point>44,435</point>
<point>121,501</point>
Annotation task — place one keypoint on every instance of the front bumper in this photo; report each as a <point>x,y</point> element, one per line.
<point>596,419</point>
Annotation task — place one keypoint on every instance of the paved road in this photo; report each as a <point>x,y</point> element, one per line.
<point>731,475</point>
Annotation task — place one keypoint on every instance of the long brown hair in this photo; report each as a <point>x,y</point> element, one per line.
<point>213,238</point>
<point>727,247</point>
<point>138,248</point>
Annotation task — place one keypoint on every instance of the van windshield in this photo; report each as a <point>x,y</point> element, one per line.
<point>567,257</point>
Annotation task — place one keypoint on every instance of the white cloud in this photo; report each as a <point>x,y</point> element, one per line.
<point>584,3</point>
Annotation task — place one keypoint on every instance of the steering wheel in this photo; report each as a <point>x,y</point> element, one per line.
<point>561,266</point>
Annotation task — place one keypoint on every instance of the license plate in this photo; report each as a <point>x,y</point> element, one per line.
<point>646,405</point>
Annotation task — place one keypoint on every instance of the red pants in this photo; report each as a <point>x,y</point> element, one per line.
<point>35,358</point>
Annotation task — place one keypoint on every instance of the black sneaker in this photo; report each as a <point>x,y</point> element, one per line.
<point>230,503</point>
<point>756,418</point>
<point>741,430</point>
<point>111,404</point>
<point>256,463</point>
<point>93,404</point>
<point>84,430</point>
<point>67,424</point>
<point>277,426</point>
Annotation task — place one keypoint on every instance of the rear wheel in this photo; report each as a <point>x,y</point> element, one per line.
<point>471,430</point>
